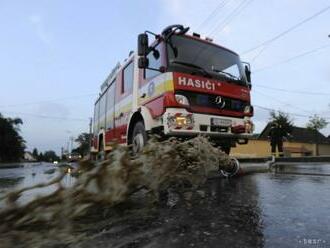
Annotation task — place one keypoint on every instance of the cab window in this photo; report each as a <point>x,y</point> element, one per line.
<point>102,102</point>
<point>154,63</point>
<point>128,76</point>
<point>96,117</point>
<point>110,105</point>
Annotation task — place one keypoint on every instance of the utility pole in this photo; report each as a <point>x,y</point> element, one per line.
<point>68,147</point>
<point>71,143</point>
<point>62,152</point>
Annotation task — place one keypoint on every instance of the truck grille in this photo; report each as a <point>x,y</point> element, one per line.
<point>209,101</point>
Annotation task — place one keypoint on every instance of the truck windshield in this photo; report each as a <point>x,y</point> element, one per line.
<point>194,56</point>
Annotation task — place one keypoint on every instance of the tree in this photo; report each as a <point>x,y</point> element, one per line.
<point>40,157</point>
<point>315,124</point>
<point>84,144</point>
<point>12,145</point>
<point>35,153</point>
<point>283,120</point>
<point>50,156</point>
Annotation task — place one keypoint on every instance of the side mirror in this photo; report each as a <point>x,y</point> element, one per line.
<point>143,62</point>
<point>143,44</point>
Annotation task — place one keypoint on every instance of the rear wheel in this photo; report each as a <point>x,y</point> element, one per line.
<point>139,137</point>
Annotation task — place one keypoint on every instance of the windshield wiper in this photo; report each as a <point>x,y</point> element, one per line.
<point>205,72</point>
<point>226,73</point>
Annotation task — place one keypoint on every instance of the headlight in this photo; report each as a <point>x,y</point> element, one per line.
<point>181,99</point>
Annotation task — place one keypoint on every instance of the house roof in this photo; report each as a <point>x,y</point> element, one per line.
<point>299,134</point>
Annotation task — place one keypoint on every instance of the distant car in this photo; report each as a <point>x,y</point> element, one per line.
<point>73,157</point>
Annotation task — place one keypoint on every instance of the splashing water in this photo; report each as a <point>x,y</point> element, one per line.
<point>169,166</point>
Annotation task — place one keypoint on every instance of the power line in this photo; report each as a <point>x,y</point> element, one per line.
<point>213,13</point>
<point>289,113</point>
<point>293,91</point>
<point>272,109</point>
<point>48,117</point>
<point>258,54</point>
<point>293,58</point>
<point>231,16</point>
<point>46,101</point>
<point>282,102</point>
<point>292,28</point>
<point>220,24</point>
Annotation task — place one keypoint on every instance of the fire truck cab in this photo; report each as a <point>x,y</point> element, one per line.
<point>180,85</point>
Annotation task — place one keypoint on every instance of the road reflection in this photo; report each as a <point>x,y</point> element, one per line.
<point>28,175</point>
<point>278,209</point>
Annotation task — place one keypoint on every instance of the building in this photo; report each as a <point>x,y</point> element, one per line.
<point>302,142</point>
<point>29,157</point>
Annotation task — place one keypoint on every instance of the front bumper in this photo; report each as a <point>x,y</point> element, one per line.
<point>209,134</point>
<point>202,126</point>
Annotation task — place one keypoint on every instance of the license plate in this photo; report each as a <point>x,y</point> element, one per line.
<point>220,122</point>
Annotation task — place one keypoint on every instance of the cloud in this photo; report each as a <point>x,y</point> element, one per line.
<point>53,109</point>
<point>35,19</point>
<point>226,29</point>
<point>184,12</point>
<point>205,17</point>
<point>38,24</point>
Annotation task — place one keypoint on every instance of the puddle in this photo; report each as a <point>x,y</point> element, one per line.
<point>257,210</point>
<point>162,168</point>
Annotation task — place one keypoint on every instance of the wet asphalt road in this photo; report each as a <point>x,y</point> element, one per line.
<point>29,175</point>
<point>286,208</point>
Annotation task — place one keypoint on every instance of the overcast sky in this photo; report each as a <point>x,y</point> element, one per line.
<point>54,54</point>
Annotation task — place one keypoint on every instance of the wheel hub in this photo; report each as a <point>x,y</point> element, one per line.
<point>138,143</point>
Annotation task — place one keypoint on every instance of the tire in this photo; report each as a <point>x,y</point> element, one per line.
<point>139,137</point>
<point>101,154</point>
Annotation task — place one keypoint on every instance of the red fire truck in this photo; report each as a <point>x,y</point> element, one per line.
<point>178,85</point>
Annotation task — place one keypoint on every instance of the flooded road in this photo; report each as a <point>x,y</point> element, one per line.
<point>286,208</point>
<point>27,175</point>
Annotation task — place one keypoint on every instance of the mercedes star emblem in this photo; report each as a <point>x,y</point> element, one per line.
<point>219,101</point>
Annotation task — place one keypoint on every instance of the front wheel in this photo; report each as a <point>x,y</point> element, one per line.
<point>139,137</point>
